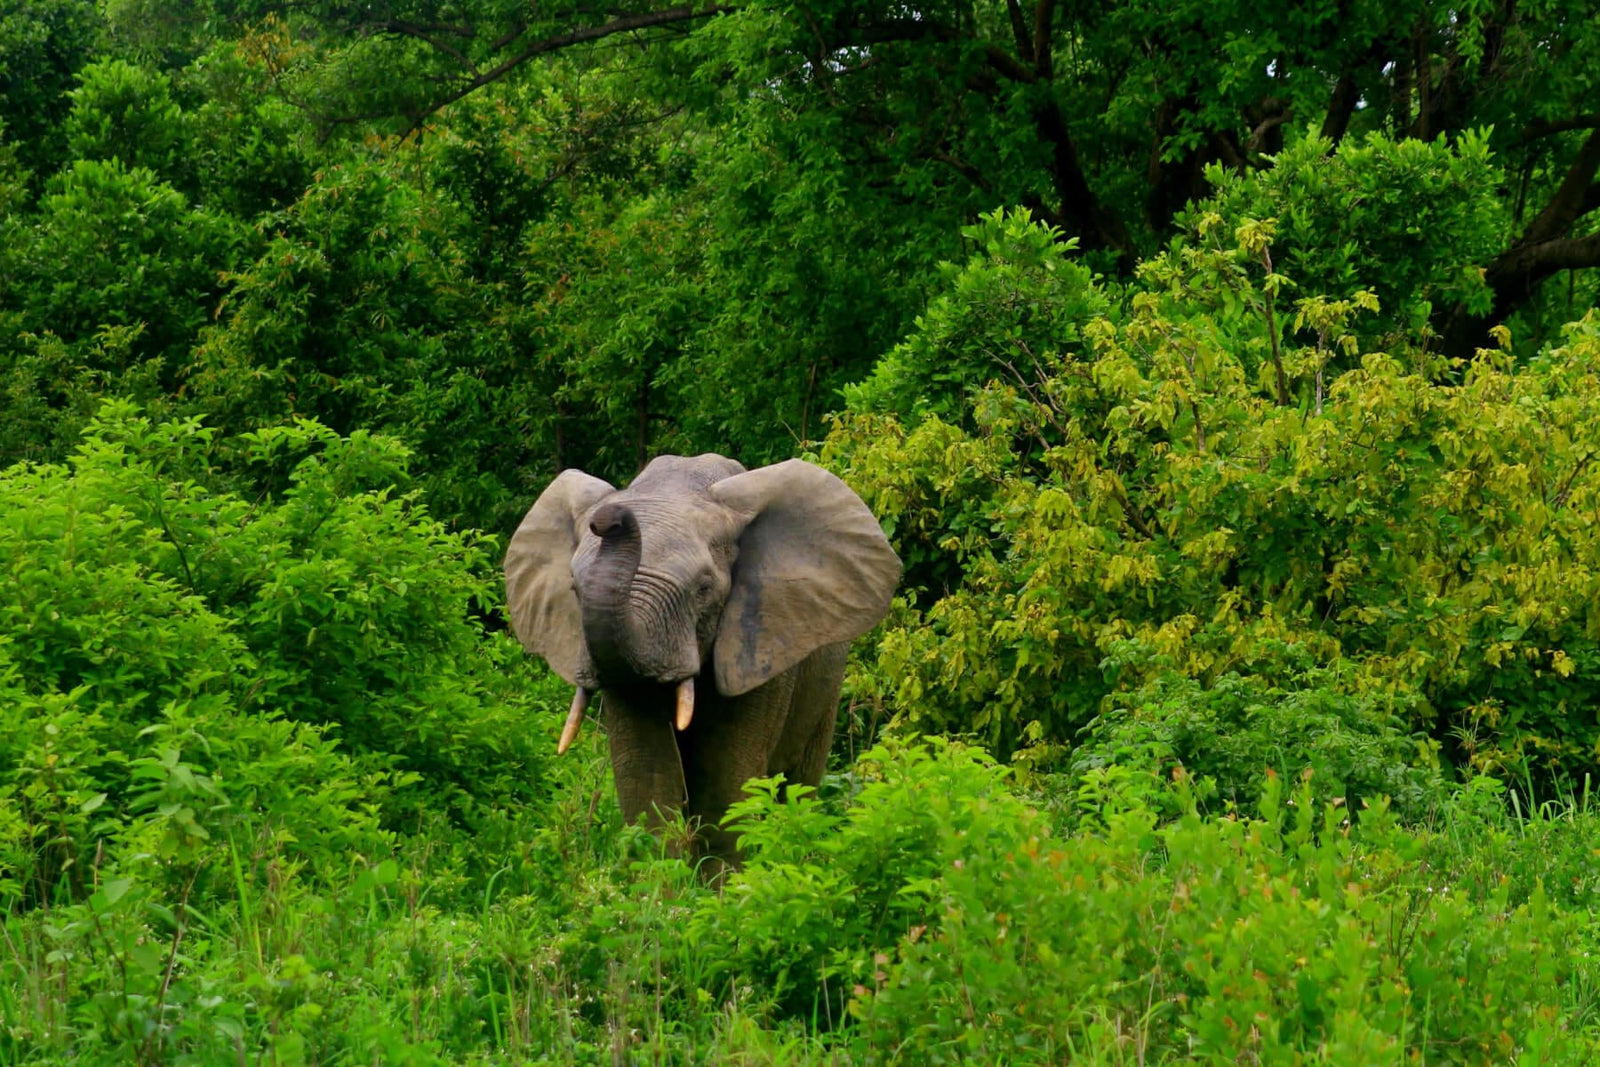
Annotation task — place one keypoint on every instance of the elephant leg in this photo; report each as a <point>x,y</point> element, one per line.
<point>644,754</point>
<point>801,755</point>
<point>730,742</point>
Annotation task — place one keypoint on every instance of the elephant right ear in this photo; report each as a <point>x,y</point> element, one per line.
<point>539,594</point>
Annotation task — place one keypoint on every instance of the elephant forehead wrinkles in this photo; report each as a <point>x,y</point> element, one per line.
<point>666,522</point>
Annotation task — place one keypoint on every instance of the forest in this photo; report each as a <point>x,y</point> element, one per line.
<point>1225,374</point>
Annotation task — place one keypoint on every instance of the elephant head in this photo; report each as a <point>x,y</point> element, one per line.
<point>698,569</point>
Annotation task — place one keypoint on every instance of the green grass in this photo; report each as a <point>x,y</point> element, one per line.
<point>940,915</point>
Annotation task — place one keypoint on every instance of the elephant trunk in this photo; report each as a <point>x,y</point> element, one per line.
<point>605,595</point>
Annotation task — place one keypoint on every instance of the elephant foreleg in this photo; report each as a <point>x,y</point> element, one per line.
<point>801,755</point>
<point>728,744</point>
<point>644,754</point>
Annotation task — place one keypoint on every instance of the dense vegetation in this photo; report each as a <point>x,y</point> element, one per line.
<point>1224,373</point>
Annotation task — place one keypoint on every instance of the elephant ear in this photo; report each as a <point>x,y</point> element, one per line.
<point>813,569</point>
<point>539,595</point>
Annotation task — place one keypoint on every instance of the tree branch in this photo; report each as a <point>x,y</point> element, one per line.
<point>413,29</point>
<point>963,168</point>
<point>1258,136</point>
<point>1043,19</point>
<point>1019,28</point>
<point>1513,277</point>
<point>892,30</point>
<point>1566,205</point>
<point>1525,266</point>
<point>1591,200</point>
<point>1551,127</point>
<point>423,34</point>
<point>620,24</point>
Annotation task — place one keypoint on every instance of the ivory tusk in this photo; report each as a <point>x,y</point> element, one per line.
<point>685,703</point>
<point>569,732</point>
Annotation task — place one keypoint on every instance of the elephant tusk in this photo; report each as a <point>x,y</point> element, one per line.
<point>685,703</point>
<point>580,702</point>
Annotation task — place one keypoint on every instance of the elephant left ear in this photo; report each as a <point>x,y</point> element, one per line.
<point>813,569</point>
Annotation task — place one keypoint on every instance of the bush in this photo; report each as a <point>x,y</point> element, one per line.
<point>967,924</point>
<point>1341,731</point>
<point>304,664</point>
<point>126,112</point>
<point>115,248</point>
<point>1013,312</point>
<point>360,313</point>
<point>1412,221</point>
<point>1205,483</point>
<point>823,892</point>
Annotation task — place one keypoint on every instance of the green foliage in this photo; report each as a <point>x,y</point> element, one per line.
<point>615,303</point>
<point>359,312</point>
<point>157,615</point>
<point>1178,532</point>
<point>126,112</point>
<point>1014,311</point>
<point>250,149</point>
<point>824,894</point>
<point>1201,492</point>
<point>113,249</point>
<point>1409,221</point>
<point>935,915</point>
<point>1278,940</point>
<point>49,389</point>
<point>43,43</point>
<point>1239,731</point>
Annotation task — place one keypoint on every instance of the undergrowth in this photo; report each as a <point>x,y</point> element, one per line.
<point>270,795</point>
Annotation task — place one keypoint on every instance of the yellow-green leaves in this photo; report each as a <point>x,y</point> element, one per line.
<point>1160,489</point>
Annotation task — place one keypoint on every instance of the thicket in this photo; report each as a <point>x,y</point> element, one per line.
<point>1225,377</point>
<point>1101,503</point>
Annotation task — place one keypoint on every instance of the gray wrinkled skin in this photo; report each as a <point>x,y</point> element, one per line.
<point>751,583</point>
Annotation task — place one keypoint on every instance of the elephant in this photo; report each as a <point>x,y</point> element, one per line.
<point>713,606</point>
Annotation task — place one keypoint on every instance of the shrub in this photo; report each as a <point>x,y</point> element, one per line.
<point>824,892</point>
<point>958,923</point>
<point>156,630</point>
<point>113,246</point>
<point>1203,486</point>
<point>1344,732</point>
<point>126,112</point>
<point>1411,221</point>
<point>1224,939</point>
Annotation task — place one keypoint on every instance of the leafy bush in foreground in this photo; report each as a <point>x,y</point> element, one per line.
<point>937,915</point>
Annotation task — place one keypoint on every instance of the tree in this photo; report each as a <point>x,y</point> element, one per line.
<point>1102,118</point>
<point>42,44</point>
